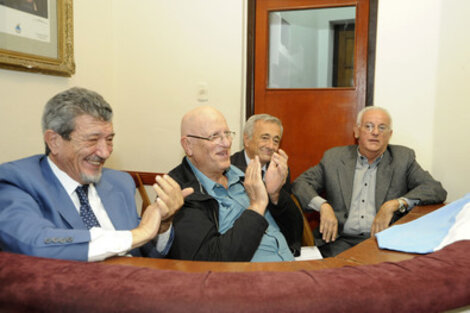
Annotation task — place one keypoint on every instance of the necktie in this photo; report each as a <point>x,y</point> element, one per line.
<point>86,213</point>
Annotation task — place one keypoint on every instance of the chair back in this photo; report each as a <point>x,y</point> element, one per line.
<point>307,235</point>
<point>141,180</point>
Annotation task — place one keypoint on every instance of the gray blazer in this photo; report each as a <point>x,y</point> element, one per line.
<point>398,175</point>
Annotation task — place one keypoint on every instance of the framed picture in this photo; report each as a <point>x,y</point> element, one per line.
<point>37,36</point>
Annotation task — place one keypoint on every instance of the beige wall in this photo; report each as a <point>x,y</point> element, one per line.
<point>422,77</point>
<point>163,51</point>
<point>406,71</point>
<point>451,142</point>
<point>149,60</point>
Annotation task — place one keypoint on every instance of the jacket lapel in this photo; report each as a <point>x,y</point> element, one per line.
<point>383,179</point>
<point>240,161</point>
<point>113,202</point>
<point>346,175</point>
<point>64,205</point>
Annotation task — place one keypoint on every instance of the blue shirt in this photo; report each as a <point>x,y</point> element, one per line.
<point>232,202</point>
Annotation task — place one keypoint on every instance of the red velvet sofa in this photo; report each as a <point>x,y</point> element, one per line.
<point>432,283</point>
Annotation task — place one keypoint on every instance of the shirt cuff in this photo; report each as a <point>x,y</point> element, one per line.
<point>411,203</point>
<point>161,241</point>
<point>316,203</point>
<point>107,243</point>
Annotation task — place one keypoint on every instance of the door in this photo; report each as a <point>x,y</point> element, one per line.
<point>343,60</point>
<point>295,71</point>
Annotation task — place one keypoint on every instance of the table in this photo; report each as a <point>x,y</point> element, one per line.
<point>367,252</point>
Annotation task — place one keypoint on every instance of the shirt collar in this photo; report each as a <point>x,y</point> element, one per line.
<point>233,175</point>
<point>364,161</point>
<point>66,181</point>
<point>248,160</point>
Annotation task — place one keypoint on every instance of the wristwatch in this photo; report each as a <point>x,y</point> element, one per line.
<point>402,205</point>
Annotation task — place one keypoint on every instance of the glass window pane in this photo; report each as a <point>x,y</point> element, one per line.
<point>312,48</point>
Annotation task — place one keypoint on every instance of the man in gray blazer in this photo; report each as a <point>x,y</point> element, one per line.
<point>361,189</point>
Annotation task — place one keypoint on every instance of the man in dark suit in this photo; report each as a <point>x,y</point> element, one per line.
<point>361,189</point>
<point>262,136</point>
<point>65,205</point>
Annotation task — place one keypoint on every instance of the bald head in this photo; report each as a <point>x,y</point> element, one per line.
<point>199,118</point>
<point>211,157</point>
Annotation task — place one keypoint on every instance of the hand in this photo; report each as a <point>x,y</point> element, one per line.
<point>384,216</point>
<point>328,223</point>
<point>170,198</point>
<point>276,175</point>
<point>255,188</point>
<point>157,217</point>
<point>148,226</point>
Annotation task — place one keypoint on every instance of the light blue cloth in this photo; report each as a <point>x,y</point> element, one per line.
<point>424,234</point>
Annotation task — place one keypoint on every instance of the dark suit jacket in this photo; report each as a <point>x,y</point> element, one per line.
<point>238,159</point>
<point>398,175</point>
<point>37,217</point>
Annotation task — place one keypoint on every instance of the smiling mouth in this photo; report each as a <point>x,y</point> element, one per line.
<point>95,161</point>
<point>223,154</point>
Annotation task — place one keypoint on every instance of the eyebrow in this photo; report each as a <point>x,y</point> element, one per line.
<point>268,134</point>
<point>98,135</point>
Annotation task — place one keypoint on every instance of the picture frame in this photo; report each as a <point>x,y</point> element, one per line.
<point>37,38</point>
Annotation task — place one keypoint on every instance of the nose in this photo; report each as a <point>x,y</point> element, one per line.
<point>375,131</point>
<point>226,141</point>
<point>271,144</point>
<point>104,149</point>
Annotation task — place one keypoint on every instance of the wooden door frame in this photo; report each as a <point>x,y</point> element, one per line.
<point>250,55</point>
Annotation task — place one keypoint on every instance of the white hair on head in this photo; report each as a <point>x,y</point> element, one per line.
<point>370,108</point>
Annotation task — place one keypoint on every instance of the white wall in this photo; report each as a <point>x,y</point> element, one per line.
<point>451,143</point>
<point>147,58</point>
<point>422,73</point>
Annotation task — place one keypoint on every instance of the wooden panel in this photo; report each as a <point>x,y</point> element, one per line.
<point>199,266</point>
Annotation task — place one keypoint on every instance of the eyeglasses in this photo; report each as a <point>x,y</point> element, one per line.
<point>218,138</point>
<point>371,126</point>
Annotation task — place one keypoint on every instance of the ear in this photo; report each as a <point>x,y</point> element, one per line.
<point>356,131</point>
<point>187,146</point>
<point>53,140</point>
<point>246,140</point>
